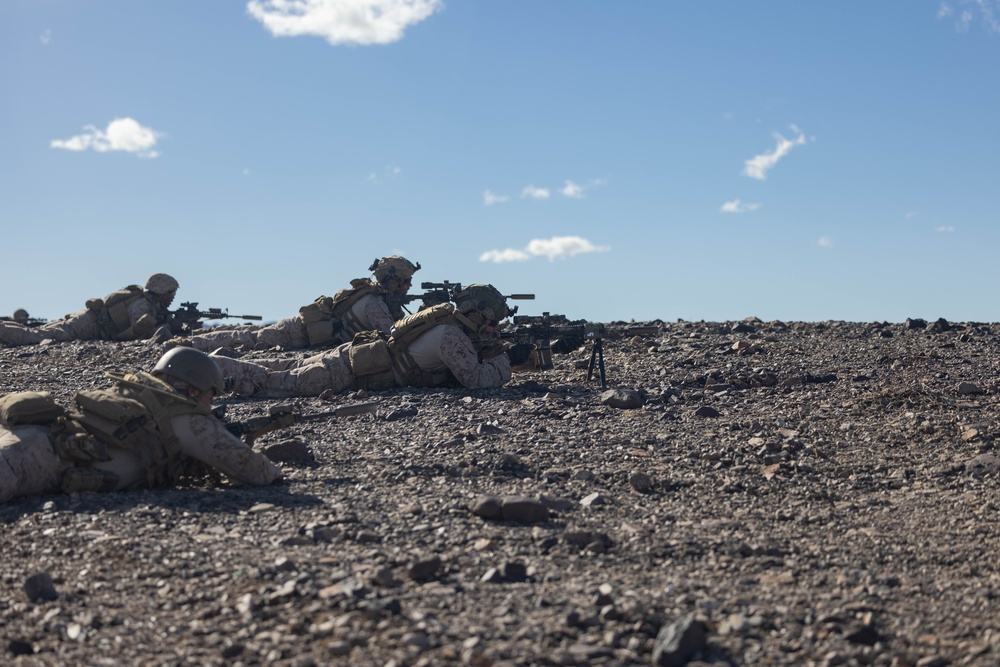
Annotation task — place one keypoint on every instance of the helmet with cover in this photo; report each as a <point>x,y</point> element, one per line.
<point>485,300</point>
<point>193,367</point>
<point>21,316</point>
<point>161,283</point>
<point>392,268</point>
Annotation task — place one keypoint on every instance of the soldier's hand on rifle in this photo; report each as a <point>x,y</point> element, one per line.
<point>491,349</point>
<point>519,353</point>
<point>567,344</point>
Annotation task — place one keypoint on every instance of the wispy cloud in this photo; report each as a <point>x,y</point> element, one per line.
<point>965,12</point>
<point>339,22</point>
<point>122,134</point>
<point>572,190</point>
<point>737,206</point>
<point>758,166</point>
<point>46,36</point>
<point>825,242</point>
<point>945,229</point>
<point>531,192</point>
<point>489,199</point>
<point>389,171</point>
<point>553,248</point>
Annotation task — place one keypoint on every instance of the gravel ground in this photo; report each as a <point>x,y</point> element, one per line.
<point>747,493</point>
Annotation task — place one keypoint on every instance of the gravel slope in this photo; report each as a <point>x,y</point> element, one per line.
<point>807,493</point>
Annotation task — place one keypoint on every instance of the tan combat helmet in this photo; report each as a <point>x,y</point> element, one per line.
<point>393,267</point>
<point>484,299</point>
<point>21,316</point>
<point>161,283</point>
<point>192,366</point>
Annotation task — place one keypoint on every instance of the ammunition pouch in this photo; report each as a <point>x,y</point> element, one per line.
<point>371,362</point>
<point>321,325</point>
<point>29,407</point>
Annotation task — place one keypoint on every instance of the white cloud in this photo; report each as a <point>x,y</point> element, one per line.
<point>572,190</point>
<point>945,229</point>
<point>736,206</point>
<point>758,166</point>
<point>489,199</point>
<point>508,255</point>
<point>967,11</point>
<point>342,21</point>
<point>531,192</point>
<point>122,134</point>
<point>46,36</point>
<point>557,246</point>
<point>825,242</point>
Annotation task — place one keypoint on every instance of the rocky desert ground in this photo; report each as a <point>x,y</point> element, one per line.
<point>744,493</point>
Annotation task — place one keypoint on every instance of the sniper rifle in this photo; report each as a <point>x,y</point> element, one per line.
<point>284,415</point>
<point>444,292</point>
<point>188,318</point>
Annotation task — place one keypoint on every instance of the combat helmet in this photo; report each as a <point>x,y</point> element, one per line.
<point>483,299</point>
<point>20,316</point>
<point>393,266</point>
<point>161,283</point>
<point>192,366</point>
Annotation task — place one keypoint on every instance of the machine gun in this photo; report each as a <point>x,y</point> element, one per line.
<point>284,415</point>
<point>443,292</point>
<point>188,318</point>
<point>540,330</point>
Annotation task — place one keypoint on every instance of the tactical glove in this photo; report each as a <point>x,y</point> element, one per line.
<point>567,344</point>
<point>492,349</point>
<point>518,354</point>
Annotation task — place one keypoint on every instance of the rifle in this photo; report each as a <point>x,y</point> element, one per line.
<point>283,416</point>
<point>31,321</point>
<point>443,292</point>
<point>539,330</point>
<point>188,317</point>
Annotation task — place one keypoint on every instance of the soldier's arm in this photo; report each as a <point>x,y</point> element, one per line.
<point>461,358</point>
<point>205,438</point>
<point>376,313</point>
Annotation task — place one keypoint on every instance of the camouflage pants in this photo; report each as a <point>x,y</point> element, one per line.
<point>289,333</point>
<point>284,378</point>
<point>14,335</point>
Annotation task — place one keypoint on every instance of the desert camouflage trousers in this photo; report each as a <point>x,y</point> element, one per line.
<point>283,378</point>
<point>28,462</point>
<point>288,333</point>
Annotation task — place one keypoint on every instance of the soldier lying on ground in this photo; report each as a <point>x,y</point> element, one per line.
<point>438,346</point>
<point>147,432</point>
<point>132,313</point>
<point>328,320</point>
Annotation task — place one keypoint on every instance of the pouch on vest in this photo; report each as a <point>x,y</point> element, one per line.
<point>29,407</point>
<point>117,304</point>
<point>317,311</point>
<point>110,415</point>
<point>370,361</point>
<point>322,333</point>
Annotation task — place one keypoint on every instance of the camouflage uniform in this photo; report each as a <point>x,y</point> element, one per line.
<point>147,318</point>
<point>32,462</point>
<point>444,348</point>
<point>373,311</point>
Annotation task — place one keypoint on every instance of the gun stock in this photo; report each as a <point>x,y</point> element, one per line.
<point>284,415</point>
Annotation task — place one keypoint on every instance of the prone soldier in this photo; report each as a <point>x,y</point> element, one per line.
<point>444,345</point>
<point>131,313</point>
<point>148,432</point>
<point>366,305</point>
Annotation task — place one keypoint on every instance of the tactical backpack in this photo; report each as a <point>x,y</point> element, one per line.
<point>29,407</point>
<point>406,331</point>
<point>134,416</point>
<point>326,317</point>
<point>112,311</point>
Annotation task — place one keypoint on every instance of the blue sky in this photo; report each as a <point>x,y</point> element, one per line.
<point>640,160</point>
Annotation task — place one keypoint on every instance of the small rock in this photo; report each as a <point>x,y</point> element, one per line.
<point>623,399</point>
<point>488,507</point>
<point>402,413</point>
<point>520,509</point>
<point>594,500</point>
<point>425,568</point>
<point>706,411</point>
<point>969,389</point>
<point>640,481</point>
<point>678,642</point>
<point>288,451</point>
<point>19,647</point>
<point>39,588</point>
